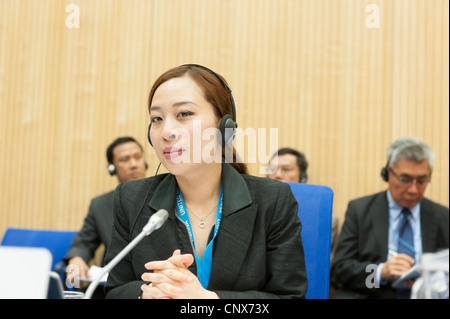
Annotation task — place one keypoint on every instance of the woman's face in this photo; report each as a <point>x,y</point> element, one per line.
<point>183,126</point>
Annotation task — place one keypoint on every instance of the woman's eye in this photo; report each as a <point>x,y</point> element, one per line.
<point>156,119</point>
<point>184,113</point>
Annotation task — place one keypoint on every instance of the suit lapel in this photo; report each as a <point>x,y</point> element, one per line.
<point>236,229</point>
<point>380,222</point>
<point>235,232</point>
<point>231,247</point>
<point>428,227</point>
<point>165,238</point>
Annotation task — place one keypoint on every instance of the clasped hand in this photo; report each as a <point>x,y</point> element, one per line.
<point>171,279</point>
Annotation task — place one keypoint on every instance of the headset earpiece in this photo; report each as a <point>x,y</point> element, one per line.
<point>111,169</point>
<point>228,125</point>
<point>303,177</point>
<point>385,174</point>
<point>385,171</point>
<point>227,128</point>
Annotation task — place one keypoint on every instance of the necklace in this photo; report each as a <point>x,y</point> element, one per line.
<point>202,223</point>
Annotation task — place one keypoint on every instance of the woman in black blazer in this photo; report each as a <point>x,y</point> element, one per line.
<point>228,235</point>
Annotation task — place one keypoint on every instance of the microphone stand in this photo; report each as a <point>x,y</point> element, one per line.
<point>154,223</point>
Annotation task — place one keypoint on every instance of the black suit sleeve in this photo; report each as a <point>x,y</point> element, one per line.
<point>283,267</point>
<point>87,240</point>
<point>347,269</point>
<point>121,282</point>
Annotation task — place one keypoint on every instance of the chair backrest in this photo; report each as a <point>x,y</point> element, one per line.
<point>315,207</point>
<point>57,242</point>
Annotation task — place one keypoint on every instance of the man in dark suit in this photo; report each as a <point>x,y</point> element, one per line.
<point>289,165</point>
<point>126,160</point>
<point>385,234</point>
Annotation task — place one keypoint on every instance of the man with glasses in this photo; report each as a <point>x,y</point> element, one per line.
<point>289,165</point>
<point>385,234</point>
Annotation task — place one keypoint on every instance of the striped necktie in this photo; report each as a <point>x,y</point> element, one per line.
<point>405,245</point>
<point>406,235</point>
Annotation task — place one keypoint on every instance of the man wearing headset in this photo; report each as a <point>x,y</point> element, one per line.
<point>392,229</point>
<point>125,160</point>
<point>290,165</point>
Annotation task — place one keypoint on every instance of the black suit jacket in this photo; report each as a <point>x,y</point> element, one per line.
<point>364,240</point>
<point>96,229</point>
<point>258,251</point>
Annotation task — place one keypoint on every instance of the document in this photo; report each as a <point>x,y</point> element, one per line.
<point>95,271</point>
<point>414,272</point>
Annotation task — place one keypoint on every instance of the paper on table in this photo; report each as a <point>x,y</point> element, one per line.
<point>94,271</point>
<point>413,272</point>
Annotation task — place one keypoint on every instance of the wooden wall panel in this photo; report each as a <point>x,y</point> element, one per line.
<point>334,88</point>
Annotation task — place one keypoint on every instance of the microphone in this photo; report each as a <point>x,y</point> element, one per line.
<point>155,222</point>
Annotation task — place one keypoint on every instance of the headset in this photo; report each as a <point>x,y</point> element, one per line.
<point>303,177</point>
<point>385,172</point>
<point>228,125</point>
<point>112,168</point>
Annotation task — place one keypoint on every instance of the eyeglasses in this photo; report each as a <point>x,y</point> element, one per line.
<point>272,169</point>
<point>407,180</point>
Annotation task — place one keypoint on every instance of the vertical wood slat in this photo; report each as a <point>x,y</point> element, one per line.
<point>334,88</point>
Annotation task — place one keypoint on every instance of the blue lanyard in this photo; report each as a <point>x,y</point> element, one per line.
<point>203,265</point>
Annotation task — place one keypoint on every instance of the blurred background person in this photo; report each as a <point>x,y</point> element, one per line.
<point>290,165</point>
<point>126,161</point>
<point>391,229</point>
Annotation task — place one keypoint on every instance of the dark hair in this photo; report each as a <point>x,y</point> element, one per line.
<point>118,141</point>
<point>215,92</point>
<point>302,163</point>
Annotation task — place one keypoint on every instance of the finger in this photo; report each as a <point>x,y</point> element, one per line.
<point>399,269</point>
<point>176,252</point>
<point>406,258</point>
<point>169,276</point>
<point>182,261</point>
<point>152,292</point>
<point>404,263</point>
<point>154,277</point>
<point>158,277</point>
<point>159,265</point>
<point>146,292</point>
<point>170,290</point>
<point>85,273</point>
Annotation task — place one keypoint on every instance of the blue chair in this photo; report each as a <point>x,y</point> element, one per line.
<point>315,206</point>
<point>57,242</point>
